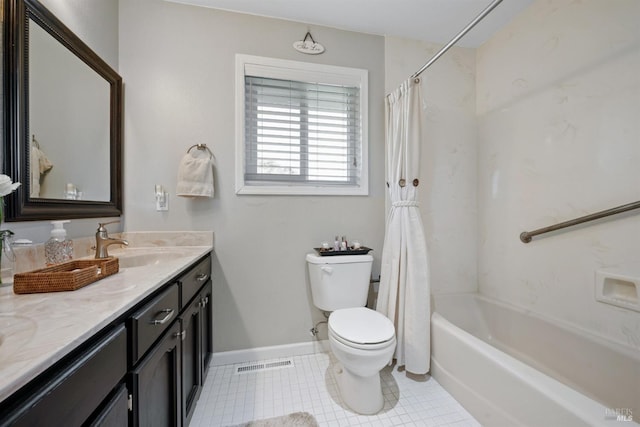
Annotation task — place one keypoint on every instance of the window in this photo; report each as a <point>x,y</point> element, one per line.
<point>301,128</point>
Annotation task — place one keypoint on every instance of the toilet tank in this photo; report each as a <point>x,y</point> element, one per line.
<point>339,281</point>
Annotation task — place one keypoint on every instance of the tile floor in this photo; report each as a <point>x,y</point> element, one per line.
<point>228,398</point>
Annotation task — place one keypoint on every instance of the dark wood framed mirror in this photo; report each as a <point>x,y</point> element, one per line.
<point>62,99</point>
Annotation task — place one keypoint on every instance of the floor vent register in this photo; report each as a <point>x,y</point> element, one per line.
<point>248,368</point>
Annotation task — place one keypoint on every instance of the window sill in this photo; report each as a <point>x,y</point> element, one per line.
<point>294,190</point>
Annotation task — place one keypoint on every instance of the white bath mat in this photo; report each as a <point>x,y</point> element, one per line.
<point>297,419</point>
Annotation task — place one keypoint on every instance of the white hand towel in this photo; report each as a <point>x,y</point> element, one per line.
<point>195,175</point>
<point>38,165</point>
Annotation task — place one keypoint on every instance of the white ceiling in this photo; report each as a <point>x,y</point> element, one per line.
<point>428,20</point>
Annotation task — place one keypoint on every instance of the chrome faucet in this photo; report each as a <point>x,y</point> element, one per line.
<point>103,240</point>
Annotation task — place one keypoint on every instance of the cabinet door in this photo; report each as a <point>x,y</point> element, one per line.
<point>191,359</point>
<point>207,327</point>
<point>115,412</point>
<point>155,383</point>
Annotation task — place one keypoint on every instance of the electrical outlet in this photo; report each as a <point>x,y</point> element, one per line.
<point>162,202</point>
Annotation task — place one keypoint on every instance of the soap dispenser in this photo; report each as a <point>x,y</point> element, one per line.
<point>58,248</point>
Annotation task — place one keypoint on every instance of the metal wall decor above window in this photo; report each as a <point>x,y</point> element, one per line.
<point>303,128</point>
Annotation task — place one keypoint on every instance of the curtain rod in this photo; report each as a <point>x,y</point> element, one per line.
<point>453,41</point>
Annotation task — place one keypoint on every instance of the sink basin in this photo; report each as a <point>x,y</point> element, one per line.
<point>15,331</point>
<point>131,258</point>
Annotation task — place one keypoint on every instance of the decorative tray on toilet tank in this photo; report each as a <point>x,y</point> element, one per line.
<point>362,250</point>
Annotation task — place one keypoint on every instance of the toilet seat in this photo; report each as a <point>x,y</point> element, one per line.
<point>361,328</point>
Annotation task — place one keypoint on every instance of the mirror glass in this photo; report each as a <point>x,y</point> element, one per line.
<point>63,136</point>
<point>68,123</point>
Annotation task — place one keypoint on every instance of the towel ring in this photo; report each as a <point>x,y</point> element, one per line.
<point>201,147</point>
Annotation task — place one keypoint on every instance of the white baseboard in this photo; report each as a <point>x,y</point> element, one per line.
<point>271,352</point>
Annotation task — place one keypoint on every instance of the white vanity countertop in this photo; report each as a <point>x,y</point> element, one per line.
<point>37,330</point>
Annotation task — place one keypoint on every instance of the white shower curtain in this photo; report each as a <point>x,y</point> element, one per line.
<point>404,292</point>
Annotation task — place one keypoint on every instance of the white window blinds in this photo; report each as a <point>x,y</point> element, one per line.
<point>300,132</point>
<point>301,128</point>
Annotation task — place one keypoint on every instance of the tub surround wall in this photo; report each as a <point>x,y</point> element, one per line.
<point>558,101</point>
<point>178,63</point>
<point>448,157</point>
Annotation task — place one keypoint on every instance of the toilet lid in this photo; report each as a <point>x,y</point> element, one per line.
<point>361,325</point>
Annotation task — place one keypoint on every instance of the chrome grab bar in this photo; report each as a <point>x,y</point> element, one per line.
<point>526,236</point>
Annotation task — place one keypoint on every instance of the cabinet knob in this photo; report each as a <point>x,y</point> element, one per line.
<point>180,335</point>
<point>202,277</point>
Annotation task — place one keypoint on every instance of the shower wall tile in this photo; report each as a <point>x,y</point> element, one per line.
<point>447,190</point>
<point>558,104</point>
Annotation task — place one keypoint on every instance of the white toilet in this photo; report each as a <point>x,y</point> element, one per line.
<point>361,339</point>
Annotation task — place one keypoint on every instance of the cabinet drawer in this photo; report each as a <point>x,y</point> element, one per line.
<point>193,280</point>
<point>148,323</point>
<point>78,388</point>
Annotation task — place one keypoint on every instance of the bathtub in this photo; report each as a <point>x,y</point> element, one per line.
<point>509,367</point>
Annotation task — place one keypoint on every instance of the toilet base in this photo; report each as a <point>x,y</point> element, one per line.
<point>362,394</point>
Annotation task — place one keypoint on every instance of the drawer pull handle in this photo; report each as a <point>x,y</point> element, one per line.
<point>180,335</point>
<point>168,315</point>
<point>202,277</point>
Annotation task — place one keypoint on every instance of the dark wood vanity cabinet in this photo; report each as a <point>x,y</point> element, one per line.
<point>169,373</point>
<point>146,369</point>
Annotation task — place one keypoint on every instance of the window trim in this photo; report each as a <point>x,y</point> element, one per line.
<point>295,70</point>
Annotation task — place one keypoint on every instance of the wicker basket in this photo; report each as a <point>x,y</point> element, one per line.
<point>67,276</point>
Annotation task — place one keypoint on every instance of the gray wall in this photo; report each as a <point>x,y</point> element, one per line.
<point>94,21</point>
<point>178,66</point>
